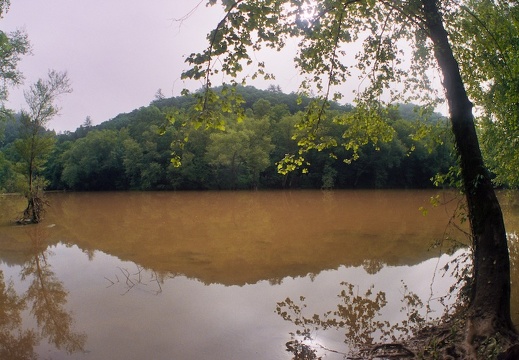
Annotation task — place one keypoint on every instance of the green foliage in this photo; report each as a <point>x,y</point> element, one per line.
<point>34,143</point>
<point>487,46</point>
<point>241,151</point>
<point>95,161</point>
<point>452,178</point>
<point>9,180</point>
<point>12,46</point>
<point>31,147</point>
<point>325,31</point>
<point>329,176</point>
<point>133,150</point>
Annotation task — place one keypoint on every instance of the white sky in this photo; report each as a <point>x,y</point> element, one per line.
<point>117,53</point>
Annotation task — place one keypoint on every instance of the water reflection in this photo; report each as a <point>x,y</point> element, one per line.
<point>46,297</point>
<point>240,238</point>
<point>140,279</point>
<point>15,342</point>
<point>198,275</point>
<point>361,315</point>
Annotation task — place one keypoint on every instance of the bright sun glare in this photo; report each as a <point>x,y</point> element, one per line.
<point>309,10</point>
<point>306,10</point>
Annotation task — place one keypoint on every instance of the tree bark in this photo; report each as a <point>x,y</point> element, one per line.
<point>489,307</point>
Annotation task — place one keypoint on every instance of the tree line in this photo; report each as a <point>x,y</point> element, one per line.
<point>133,151</point>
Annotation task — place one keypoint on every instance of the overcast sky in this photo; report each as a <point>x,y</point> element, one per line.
<point>117,53</point>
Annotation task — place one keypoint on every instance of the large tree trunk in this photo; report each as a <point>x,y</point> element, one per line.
<point>489,308</point>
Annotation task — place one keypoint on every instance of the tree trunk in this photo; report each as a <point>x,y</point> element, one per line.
<point>489,307</point>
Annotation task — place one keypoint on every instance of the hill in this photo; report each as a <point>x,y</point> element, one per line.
<point>134,150</point>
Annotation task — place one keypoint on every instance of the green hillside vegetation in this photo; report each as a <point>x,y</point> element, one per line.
<point>133,151</point>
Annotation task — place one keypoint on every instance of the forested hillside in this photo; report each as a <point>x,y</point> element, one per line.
<point>133,151</point>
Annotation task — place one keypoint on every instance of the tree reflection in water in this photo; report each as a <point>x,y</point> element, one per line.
<point>15,343</point>
<point>46,297</point>
<point>141,278</point>
<point>359,316</point>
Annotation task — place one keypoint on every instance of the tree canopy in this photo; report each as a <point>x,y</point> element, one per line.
<point>487,45</point>
<point>13,46</point>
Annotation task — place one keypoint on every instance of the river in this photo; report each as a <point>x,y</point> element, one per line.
<point>216,275</point>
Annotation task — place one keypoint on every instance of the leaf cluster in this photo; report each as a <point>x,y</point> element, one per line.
<point>486,42</point>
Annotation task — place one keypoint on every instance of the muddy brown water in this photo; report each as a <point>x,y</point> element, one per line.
<point>198,275</point>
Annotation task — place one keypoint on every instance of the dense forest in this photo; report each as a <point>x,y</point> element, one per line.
<point>133,151</point>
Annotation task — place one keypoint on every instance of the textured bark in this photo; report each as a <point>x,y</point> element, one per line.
<point>34,211</point>
<point>489,308</point>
